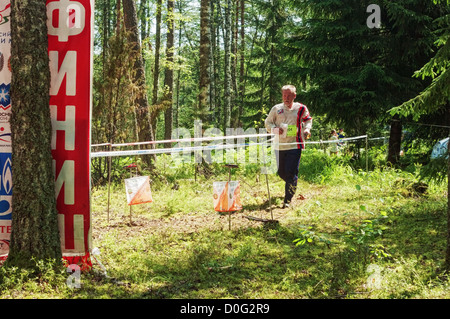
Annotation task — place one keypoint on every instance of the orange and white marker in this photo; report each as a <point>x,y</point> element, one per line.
<point>138,190</point>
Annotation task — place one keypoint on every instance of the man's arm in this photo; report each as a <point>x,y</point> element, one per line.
<point>307,122</point>
<point>269,123</point>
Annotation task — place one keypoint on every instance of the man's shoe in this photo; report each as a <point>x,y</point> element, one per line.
<point>286,205</point>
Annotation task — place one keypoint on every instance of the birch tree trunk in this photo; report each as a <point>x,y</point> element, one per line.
<point>241,68</point>
<point>34,220</point>
<point>227,78</point>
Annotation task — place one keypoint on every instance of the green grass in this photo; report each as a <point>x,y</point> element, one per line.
<point>324,247</point>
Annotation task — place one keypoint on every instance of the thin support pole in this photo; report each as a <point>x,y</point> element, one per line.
<point>109,182</point>
<point>367,154</point>
<point>229,213</point>
<point>268,192</point>
<point>267,180</point>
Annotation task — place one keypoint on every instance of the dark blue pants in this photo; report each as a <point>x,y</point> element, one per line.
<point>288,162</point>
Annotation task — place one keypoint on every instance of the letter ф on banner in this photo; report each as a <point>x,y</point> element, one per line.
<point>70,50</point>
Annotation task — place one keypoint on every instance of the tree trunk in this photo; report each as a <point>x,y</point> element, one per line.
<point>241,69</point>
<point>205,46</point>
<point>155,109</point>
<point>212,62</point>
<point>34,219</point>
<point>141,102</point>
<point>227,78</point>
<point>234,50</point>
<point>395,139</point>
<point>168,79</point>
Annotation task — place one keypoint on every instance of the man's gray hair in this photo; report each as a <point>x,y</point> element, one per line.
<point>289,87</point>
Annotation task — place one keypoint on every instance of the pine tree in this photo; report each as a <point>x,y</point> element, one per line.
<point>357,73</point>
<point>34,222</point>
<point>436,96</point>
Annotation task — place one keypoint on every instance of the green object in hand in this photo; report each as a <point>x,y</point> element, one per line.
<point>291,130</point>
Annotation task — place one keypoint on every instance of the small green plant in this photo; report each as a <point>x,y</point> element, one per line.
<point>363,236</point>
<point>309,236</point>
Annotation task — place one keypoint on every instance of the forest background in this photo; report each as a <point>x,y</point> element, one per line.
<point>161,65</point>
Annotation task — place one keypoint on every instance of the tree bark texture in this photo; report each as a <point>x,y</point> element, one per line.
<point>395,140</point>
<point>168,79</point>
<point>142,107</point>
<point>155,109</point>
<point>227,63</point>
<point>34,219</point>
<point>205,47</point>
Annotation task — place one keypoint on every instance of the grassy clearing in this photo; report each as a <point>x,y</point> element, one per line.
<point>355,235</point>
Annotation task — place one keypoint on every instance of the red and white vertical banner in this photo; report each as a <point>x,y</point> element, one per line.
<point>70,49</point>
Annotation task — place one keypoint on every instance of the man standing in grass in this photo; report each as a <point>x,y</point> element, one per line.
<point>291,123</point>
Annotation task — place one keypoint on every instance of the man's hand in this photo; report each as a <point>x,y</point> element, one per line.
<point>277,130</point>
<point>307,134</point>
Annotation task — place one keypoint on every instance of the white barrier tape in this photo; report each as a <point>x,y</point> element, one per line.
<point>172,150</point>
<point>209,147</point>
<point>213,138</point>
<point>195,139</point>
<point>327,141</point>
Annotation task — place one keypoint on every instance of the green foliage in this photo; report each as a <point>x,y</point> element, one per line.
<point>309,236</point>
<point>42,278</point>
<point>436,95</point>
<point>356,72</point>
<point>178,247</point>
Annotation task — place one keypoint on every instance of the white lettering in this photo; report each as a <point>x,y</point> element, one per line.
<point>68,70</point>
<point>71,19</point>
<point>68,126</point>
<point>67,177</point>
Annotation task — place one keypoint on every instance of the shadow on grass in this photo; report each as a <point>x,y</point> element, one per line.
<point>247,263</point>
<point>418,228</point>
<point>265,263</point>
<point>265,205</point>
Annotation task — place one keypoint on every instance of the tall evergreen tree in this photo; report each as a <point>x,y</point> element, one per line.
<point>168,79</point>
<point>34,222</point>
<point>205,50</point>
<point>155,109</point>
<point>357,73</point>
<point>268,66</point>
<point>144,126</point>
<point>227,68</point>
<point>435,98</point>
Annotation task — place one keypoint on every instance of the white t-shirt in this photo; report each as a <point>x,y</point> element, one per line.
<point>297,119</point>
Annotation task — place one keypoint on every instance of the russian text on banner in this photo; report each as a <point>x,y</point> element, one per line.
<point>5,129</point>
<point>70,50</point>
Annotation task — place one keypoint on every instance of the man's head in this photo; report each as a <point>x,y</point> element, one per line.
<point>289,94</point>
